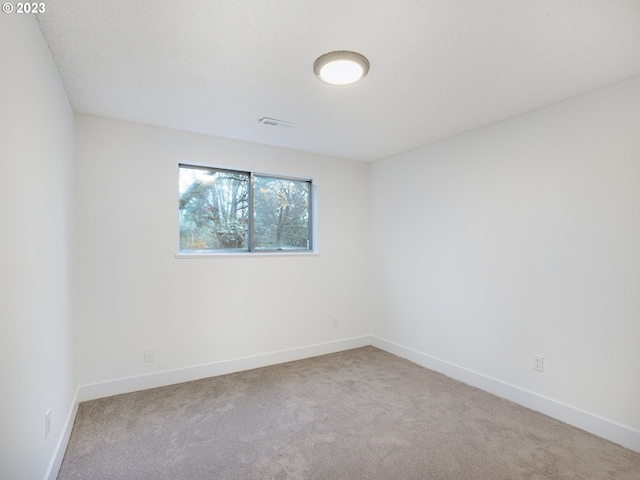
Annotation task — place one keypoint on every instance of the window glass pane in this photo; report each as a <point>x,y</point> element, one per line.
<point>281,214</point>
<point>214,209</point>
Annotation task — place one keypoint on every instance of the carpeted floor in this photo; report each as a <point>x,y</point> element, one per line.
<point>362,414</point>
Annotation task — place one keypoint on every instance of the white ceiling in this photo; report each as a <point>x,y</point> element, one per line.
<point>438,67</point>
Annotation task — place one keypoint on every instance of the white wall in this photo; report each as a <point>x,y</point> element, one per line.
<point>36,337</point>
<point>133,293</point>
<point>517,239</point>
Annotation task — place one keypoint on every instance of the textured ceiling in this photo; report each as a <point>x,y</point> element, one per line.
<point>438,67</point>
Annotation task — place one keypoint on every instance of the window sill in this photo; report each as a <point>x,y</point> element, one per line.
<point>272,253</point>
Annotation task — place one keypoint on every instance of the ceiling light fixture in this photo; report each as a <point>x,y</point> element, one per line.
<point>341,67</point>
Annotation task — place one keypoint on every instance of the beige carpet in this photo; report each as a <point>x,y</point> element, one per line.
<point>355,415</point>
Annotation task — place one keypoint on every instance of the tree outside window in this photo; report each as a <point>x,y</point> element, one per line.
<point>234,211</point>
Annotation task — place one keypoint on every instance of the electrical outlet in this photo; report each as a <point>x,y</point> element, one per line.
<point>149,355</point>
<point>537,362</point>
<point>47,423</point>
<point>335,321</point>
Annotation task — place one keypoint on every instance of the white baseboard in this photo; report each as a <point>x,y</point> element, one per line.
<point>161,379</point>
<point>586,421</point>
<point>63,441</point>
<point>578,418</point>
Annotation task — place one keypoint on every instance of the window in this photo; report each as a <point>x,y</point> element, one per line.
<point>226,211</point>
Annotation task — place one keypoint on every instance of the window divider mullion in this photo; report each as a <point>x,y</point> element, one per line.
<point>251,230</point>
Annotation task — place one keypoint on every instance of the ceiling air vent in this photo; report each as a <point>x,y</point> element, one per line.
<point>275,123</point>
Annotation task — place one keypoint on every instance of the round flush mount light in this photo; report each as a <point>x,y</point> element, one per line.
<point>341,67</point>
